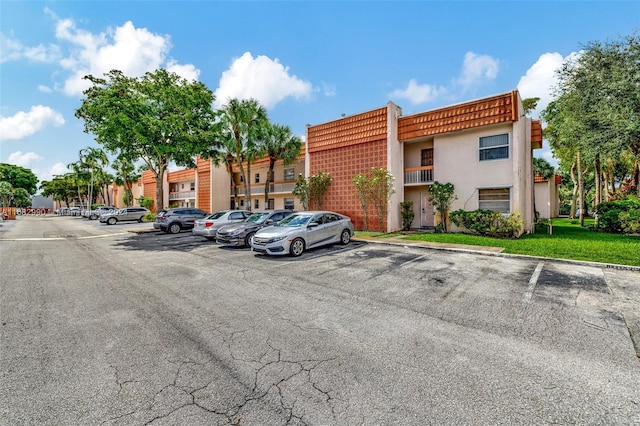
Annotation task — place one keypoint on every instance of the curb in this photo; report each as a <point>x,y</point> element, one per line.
<point>492,252</point>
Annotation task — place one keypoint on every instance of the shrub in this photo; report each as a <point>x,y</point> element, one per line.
<point>149,217</point>
<point>618,216</point>
<point>488,223</point>
<point>407,214</point>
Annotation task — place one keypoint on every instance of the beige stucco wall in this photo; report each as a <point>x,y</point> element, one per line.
<point>395,166</point>
<point>546,200</point>
<point>456,160</point>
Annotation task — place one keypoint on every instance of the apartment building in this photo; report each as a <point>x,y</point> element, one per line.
<point>213,188</point>
<point>483,147</point>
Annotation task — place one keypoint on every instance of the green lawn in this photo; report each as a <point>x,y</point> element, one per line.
<point>569,241</point>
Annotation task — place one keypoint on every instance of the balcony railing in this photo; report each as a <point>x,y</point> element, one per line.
<point>274,188</point>
<point>418,175</point>
<point>182,195</point>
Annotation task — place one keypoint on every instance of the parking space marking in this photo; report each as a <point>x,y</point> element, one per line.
<point>526,300</point>
<point>412,260</point>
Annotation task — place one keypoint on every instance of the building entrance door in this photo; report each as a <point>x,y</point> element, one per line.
<point>426,211</point>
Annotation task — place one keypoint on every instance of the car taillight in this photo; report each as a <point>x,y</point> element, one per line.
<point>208,224</point>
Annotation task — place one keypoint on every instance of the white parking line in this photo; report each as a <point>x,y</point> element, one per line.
<point>526,300</point>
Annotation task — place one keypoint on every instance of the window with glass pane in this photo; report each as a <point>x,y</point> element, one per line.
<point>257,204</point>
<point>288,203</point>
<point>289,174</point>
<point>494,147</point>
<point>496,199</point>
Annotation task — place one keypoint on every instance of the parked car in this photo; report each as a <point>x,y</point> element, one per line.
<point>240,234</point>
<point>95,214</point>
<point>175,220</point>
<point>208,226</point>
<point>75,211</point>
<point>123,215</point>
<point>301,231</point>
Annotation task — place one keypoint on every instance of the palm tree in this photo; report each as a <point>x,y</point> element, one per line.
<point>279,144</point>
<point>92,160</point>
<point>126,176</point>
<point>242,124</point>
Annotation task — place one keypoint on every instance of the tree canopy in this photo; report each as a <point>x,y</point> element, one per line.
<point>19,177</point>
<point>593,122</point>
<point>159,118</point>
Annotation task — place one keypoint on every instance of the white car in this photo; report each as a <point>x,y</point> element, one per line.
<point>301,231</point>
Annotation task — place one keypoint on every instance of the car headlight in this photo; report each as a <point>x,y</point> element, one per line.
<point>274,239</point>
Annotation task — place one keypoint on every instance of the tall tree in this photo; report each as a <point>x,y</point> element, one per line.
<point>597,112</point>
<point>19,177</point>
<point>159,118</point>
<point>243,123</point>
<point>279,143</point>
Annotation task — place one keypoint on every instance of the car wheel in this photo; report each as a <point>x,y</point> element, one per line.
<point>345,237</point>
<point>174,228</point>
<point>93,217</point>
<point>211,238</point>
<point>141,219</point>
<point>297,247</point>
<point>112,221</point>
<point>248,238</point>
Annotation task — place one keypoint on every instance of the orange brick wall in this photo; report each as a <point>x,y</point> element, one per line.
<point>343,164</point>
<point>149,182</point>
<point>204,190</point>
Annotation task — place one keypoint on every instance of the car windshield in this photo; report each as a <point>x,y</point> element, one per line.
<point>214,216</point>
<point>257,217</point>
<point>295,220</point>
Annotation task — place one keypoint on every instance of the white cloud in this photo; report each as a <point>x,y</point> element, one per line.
<point>44,89</point>
<point>329,90</point>
<point>12,50</point>
<point>24,124</point>
<point>540,79</point>
<point>189,72</point>
<point>260,78</point>
<point>476,69</point>
<point>24,160</point>
<point>58,169</point>
<point>418,93</point>
<point>131,50</point>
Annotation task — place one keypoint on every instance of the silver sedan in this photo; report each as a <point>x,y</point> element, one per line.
<point>301,231</point>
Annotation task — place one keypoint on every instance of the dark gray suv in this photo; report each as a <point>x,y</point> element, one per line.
<point>175,220</point>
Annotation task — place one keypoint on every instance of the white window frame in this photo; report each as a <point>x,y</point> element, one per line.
<point>494,148</point>
<point>494,204</point>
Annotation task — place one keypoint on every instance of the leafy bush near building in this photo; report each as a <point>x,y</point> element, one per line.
<point>619,216</point>
<point>488,223</point>
<point>406,211</point>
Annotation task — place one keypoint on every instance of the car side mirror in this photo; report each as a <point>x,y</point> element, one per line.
<point>313,225</point>
<point>269,222</point>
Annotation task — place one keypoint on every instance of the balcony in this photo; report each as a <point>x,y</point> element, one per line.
<point>418,175</point>
<point>182,195</point>
<point>274,188</point>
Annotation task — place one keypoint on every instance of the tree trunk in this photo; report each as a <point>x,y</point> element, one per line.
<point>598,180</point>
<point>580,187</point>
<point>159,189</point>
<point>248,184</point>
<point>272,164</point>
<point>574,194</point>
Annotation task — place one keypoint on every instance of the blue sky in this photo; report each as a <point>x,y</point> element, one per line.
<point>307,62</point>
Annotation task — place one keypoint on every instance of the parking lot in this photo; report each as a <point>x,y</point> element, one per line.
<point>153,328</point>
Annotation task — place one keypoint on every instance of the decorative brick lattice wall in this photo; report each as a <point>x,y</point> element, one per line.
<point>343,164</point>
